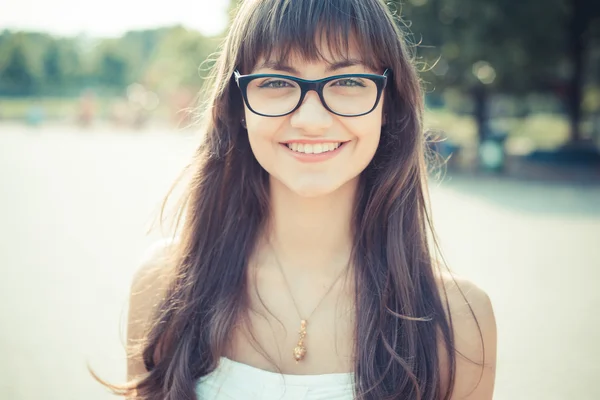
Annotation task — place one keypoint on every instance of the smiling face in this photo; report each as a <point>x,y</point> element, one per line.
<point>313,151</point>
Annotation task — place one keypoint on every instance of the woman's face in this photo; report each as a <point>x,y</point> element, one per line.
<point>312,128</point>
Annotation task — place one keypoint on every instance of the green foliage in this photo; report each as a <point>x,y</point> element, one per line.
<point>53,70</point>
<point>180,59</point>
<point>17,72</point>
<point>504,44</point>
<point>484,47</point>
<point>17,69</point>
<point>35,64</point>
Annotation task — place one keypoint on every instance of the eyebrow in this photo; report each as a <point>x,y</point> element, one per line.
<point>282,66</point>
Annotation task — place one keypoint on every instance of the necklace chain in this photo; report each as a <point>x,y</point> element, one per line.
<point>300,349</point>
<point>290,290</point>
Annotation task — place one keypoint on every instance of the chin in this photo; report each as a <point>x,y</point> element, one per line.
<point>313,189</point>
<point>312,192</point>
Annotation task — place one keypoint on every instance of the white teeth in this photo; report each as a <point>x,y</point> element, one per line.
<point>316,148</point>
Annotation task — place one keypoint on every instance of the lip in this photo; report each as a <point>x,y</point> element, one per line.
<point>305,141</point>
<point>303,157</point>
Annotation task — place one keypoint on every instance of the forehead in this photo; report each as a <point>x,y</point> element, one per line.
<point>327,54</point>
<point>311,31</point>
<point>325,44</point>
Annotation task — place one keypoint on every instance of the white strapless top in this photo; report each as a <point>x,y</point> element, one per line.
<point>232,380</point>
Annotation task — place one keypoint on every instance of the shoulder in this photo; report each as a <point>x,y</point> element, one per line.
<point>151,279</point>
<point>153,266</point>
<point>474,325</point>
<point>148,286</point>
<point>465,298</point>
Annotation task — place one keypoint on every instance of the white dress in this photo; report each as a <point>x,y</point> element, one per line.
<point>232,380</point>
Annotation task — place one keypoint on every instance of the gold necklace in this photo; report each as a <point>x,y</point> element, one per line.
<point>300,349</point>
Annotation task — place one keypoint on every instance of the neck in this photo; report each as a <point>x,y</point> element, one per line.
<point>316,229</point>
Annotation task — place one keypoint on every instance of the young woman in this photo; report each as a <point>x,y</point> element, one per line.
<point>305,267</point>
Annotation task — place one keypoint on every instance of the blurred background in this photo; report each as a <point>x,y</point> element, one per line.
<point>97,120</point>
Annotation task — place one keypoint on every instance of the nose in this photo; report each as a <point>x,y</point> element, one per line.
<point>311,116</point>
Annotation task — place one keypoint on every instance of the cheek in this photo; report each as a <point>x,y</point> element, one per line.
<point>263,133</point>
<point>262,128</point>
<point>366,149</point>
<point>367,132</point>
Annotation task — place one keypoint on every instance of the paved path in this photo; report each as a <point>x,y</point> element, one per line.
<point>73,213</point>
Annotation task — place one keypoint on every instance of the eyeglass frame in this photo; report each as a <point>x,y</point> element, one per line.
<point>308,85</point>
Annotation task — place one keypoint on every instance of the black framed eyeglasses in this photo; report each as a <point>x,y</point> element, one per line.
<point>347,95</point>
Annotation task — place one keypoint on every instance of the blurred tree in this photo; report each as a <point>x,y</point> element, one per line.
<point>582,14</point>
<point>181,59</point>
<point>164,58</point>
<point>484,46</point>
<point>53,72</point>
<point>139,47</point>
<point>112,70</point>
<point>16,72</point>
<point>40,63</point>
<point>72,67</point>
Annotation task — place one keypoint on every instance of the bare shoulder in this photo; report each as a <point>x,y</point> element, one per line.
<point>153,266</point>
<point>465,298</point>
<point>475,338</point>
<point>148,287</point>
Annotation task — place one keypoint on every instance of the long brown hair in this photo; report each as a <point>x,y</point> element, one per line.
<point>401,317</point>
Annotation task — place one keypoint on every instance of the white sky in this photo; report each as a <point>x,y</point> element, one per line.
<point>111,17</point>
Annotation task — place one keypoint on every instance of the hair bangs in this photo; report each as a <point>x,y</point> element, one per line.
<point>307,29</point>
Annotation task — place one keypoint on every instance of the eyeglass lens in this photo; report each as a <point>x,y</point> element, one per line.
<point>277,96</point>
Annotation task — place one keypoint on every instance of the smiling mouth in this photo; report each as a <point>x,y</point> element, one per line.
<point>314,148</point>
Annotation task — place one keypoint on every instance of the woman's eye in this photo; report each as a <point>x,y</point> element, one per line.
<point>276,84</point>
<point>349,82</point>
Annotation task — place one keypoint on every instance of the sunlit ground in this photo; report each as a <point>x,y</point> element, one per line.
<point>74,207</point>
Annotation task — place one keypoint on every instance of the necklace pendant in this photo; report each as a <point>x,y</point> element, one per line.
<point>300,349</point>
<point>299,352</point>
